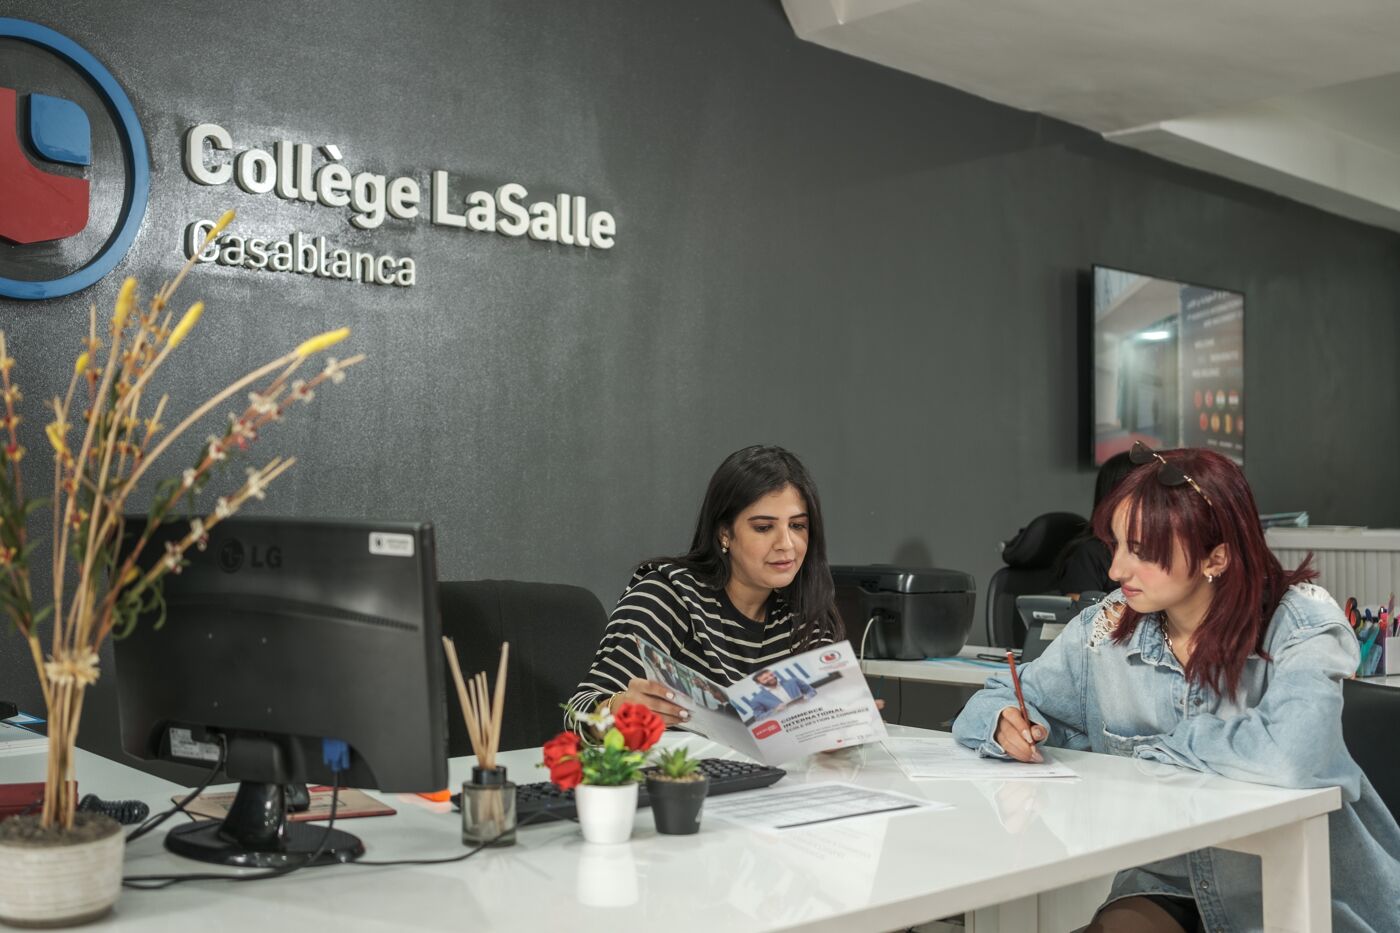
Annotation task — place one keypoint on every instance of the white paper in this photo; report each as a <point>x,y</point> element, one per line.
<point>17,741</point>
<point>938,757</point>
<point>809,702</point>
<point>801,806</point>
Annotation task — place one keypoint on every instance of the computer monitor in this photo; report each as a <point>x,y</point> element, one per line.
<point>279,635</point>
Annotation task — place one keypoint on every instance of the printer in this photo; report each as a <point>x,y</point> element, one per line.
<point>912,612</point>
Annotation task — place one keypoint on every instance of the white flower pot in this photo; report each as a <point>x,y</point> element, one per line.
<point>63,884</point>
<point>606,814</point>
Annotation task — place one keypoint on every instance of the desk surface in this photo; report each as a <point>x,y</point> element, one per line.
<point>999,841</point>
<point>966,669</point>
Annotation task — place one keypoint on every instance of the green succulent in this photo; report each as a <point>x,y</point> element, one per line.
<point>676,763</point>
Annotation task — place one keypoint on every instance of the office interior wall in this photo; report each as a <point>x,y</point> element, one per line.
<point>875,271</point>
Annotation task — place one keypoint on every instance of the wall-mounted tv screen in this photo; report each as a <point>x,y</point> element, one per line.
<point>1168,365</point>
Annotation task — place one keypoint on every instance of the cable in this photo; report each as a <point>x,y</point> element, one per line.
<point>454,858</point>
<point>861,661</point>
<point>126,812</point>
<point>179,807</point>
<point>863,637</point>
<point>160,882</point>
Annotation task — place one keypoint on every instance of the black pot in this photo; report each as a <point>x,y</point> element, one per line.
<point>676,805</point>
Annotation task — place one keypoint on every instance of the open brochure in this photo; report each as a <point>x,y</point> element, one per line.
<point>803,703</point>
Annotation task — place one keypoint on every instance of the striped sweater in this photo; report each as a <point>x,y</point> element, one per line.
<point>692,622</point>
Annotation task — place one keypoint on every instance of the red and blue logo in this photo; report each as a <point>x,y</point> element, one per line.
<point>46,157</point>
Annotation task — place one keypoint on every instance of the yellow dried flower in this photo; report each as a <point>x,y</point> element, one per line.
<point>125,299</point>
<point>218,228</point>
<point>186,322</point>
<point>320,342</point>
<point>57,432</point>
<point>81,364</point>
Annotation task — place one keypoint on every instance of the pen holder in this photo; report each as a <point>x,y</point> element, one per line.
<point>488,808</point>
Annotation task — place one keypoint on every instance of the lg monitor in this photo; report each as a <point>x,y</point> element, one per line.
<point>281,639</point>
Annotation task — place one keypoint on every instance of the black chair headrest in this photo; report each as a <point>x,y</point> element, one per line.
<point>1037,544</point>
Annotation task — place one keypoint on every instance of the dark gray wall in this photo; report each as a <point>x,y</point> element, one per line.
<point>875,271</point>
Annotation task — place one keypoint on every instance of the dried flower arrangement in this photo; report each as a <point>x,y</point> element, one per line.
<point>100,585</point>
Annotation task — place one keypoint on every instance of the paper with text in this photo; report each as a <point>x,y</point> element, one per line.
<point>938,757</point>
<point>809,702</point>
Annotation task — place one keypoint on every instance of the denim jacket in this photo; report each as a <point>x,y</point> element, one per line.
<point>1283,727</point>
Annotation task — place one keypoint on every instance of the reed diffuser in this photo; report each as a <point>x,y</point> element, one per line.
<point>488,799</point>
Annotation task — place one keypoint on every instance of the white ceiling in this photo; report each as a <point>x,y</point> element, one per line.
<point>1299,97</point>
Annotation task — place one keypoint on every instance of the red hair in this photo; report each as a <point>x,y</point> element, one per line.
<point>1245,597</point>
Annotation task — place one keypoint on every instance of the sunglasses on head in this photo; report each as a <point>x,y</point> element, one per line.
<point>1168,474</point>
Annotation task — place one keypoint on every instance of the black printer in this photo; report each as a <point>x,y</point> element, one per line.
<point>917,612</point>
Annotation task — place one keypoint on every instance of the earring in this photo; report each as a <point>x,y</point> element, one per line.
<point>724,549</point>
<point>1210,578</point>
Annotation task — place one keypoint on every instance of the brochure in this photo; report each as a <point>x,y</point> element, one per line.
<point>803,703</point>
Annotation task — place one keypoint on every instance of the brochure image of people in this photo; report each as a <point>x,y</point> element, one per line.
<point>804,703</point>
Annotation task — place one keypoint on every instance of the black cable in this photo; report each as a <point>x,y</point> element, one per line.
<point>455,858</point>
<point>179,807</point>
<point>160,882</point>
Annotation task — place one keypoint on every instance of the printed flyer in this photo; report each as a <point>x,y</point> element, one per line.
<point>804,703</point>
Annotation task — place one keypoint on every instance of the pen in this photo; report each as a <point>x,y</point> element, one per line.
<point>1016,682</point>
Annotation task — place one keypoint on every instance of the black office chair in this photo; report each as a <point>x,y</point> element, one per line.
<point>1030,558</point>
<point>553,630</point>
<point>1369,714</point>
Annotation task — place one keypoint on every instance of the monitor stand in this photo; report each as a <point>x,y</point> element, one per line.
<point>256,834</point>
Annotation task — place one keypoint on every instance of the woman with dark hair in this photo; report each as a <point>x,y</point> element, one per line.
<point>754,587</point>
<point>1082,565</point>
<point>1210,656</point>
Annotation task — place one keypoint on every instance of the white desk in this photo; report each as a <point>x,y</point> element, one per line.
<point>964,670</point>
<point>1000,843</point>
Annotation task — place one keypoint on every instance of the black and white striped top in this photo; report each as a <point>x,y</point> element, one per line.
<point>694,623</point>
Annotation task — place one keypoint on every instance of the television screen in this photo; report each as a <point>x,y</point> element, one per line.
<point>1168,365</point>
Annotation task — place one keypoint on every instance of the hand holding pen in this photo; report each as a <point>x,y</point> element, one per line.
<point>1015,732</point>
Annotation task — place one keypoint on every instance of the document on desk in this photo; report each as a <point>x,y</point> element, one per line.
<point>796,806</point>
<point>938,757</point>
<point>18,741</point>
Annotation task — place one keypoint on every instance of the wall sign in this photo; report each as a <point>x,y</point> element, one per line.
<point>318,175</point>
<point>41,205</point>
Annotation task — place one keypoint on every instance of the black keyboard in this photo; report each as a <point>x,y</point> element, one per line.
<point>551,803</point>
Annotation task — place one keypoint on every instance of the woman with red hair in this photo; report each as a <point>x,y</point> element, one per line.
<point>1210,656</point>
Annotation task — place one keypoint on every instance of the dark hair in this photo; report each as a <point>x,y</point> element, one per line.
<point>1244,598</point>
<point>742,479</point>
<point>1114,470</point>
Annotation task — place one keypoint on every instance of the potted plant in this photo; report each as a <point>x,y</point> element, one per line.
<point>605,776</point>
<point>108,432</point>
<point>677,789</point>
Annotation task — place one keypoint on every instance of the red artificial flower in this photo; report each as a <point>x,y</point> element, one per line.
<point>640,727</point>
<point>566,775</point>
<point>562,745</point>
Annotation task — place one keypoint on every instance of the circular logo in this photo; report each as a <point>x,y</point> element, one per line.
<point>43,204</point>
<point>831,656</point>
<point>231,555</point>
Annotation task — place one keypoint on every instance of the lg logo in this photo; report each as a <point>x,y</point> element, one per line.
<point>49,165</point>
<point>233,555</point>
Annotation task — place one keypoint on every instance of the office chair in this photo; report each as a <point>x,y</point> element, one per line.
<point>553,630</point>
<point>1030,558</point>
<point>1369,714</point>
